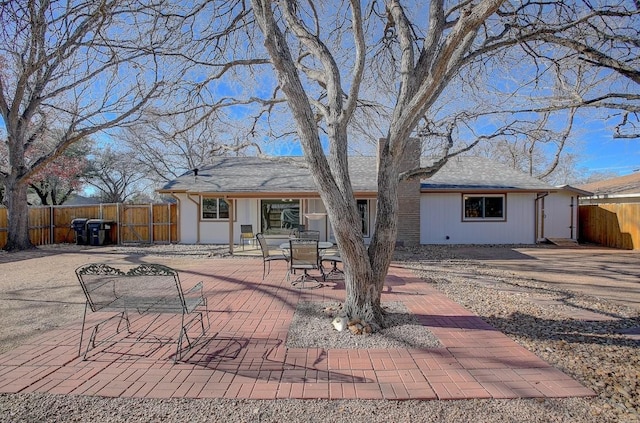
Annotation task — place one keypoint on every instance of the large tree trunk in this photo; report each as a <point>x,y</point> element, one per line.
<point>363,300</point>
<point>365,269</point>
<point>17,206</point>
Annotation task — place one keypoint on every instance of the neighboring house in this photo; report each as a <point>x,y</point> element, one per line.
<point>471,200</point>
<point>623,189</point>
<point>610,216</point>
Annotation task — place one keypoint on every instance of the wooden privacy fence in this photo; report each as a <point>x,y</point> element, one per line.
<point>611,225</point>
<point>129,223</point>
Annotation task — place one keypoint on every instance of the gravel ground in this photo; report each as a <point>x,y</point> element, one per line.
<point>539,317</point>
<point>401,330</point>
<point>533,314</point>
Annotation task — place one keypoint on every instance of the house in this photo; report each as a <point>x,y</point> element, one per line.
<point>471,200</point>
<point>623,189</point>
<point>274,195</point>
<point>475,200</point>
<point>610,215</point>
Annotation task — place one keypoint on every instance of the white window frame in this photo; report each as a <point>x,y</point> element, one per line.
<point>482,214</point>
<point>217,212</point>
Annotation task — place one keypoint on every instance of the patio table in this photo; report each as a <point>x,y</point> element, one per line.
<point>322,245</point>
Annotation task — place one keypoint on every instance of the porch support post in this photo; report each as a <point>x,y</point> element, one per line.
<point>231,215</point>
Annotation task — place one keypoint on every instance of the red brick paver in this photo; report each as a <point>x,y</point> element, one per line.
<point>244,353</point>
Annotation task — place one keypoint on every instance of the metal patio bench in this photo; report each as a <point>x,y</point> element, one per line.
<point>150,289</point>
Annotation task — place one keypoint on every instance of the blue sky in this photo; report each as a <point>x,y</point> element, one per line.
<point>599,152</point>
<point>617,156</point>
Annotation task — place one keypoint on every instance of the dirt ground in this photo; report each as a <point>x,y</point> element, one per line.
<point>600,272</point>
<point>39,290</point>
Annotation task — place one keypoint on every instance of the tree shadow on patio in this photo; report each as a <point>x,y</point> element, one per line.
<point>265,359</point>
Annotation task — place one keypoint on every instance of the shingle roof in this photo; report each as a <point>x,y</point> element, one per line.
<point>288,175</point>
<point>253,174</point>
<point>623,185</point>
<point>480,173</point>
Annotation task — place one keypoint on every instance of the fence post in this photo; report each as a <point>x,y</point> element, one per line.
<point>52,226</point>
<point>118,220</point>
<point>151,222</point>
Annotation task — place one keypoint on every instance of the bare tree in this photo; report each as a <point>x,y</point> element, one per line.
<point>598,41</point>
<point>167,145</point>
<point>536,145</point>
<point>423,74</point>
<point>114,176</point>
<point>80,66</point>
<point>421,58</point>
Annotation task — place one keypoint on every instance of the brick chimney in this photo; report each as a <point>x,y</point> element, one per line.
<point>409,197</point>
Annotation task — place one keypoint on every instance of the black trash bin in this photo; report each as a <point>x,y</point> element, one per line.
<point>99,231</point>
<point>79,225</point>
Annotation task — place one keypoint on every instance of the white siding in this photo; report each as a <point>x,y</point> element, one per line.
<point>217,232</point>
<point>194,230</point>
<point>441,217</point>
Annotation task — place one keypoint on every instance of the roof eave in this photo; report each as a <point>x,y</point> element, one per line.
<point>575,190</point>
<point>262,194</point>
<point>426,190</point>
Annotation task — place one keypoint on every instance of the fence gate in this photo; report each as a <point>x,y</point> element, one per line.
<point>135,225</point>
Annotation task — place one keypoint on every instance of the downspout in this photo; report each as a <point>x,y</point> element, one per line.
<point>197,203</point>
<point>539,220</point>
<point>577,217</point>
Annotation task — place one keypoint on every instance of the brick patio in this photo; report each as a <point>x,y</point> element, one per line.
<point>244,353</point>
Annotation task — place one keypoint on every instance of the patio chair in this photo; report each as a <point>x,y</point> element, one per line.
<point>304,256</point>
<point>313,235</point>
<point>334,259</point>
<point>267,255</point>
<point>246,234</point>
<point>295,232</point>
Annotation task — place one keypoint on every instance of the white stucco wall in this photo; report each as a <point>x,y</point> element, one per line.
<point>194,230</point>
<point>440,214</point>
<point>441,217</point>
<point>187,218</point>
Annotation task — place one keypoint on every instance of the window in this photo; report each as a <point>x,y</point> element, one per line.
<point>215,208</point>
<point>363,209</point>
<point>484,207</point>
<point>279,216</point>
